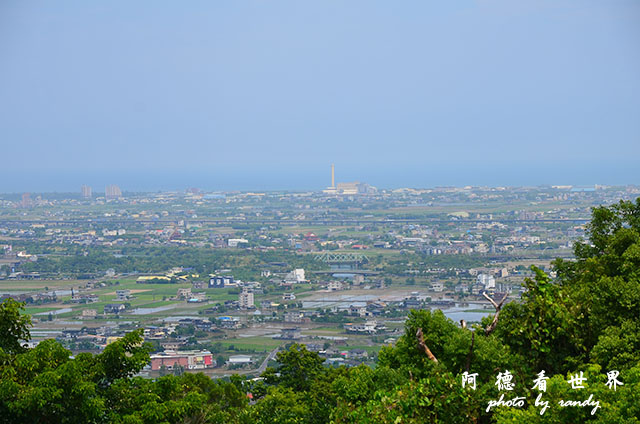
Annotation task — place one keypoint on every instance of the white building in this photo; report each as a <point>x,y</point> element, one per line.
<point>234,242</point>
<point>239,359</point>
<point>370,327</point>
<point>295,276</point>
<point>288,296</point>
<point>437,287</point>
<point>487,281</point>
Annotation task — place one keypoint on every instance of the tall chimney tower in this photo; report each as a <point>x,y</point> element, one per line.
<point>333,176</point>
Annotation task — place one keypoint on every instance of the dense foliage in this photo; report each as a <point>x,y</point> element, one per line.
<point>585,319</point>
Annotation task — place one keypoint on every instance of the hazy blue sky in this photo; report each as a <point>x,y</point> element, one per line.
<point>267,94</point>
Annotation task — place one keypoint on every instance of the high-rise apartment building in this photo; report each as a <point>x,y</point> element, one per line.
<point>112,192</point>
<point>26,200</point>
<point>245,299</point>
<point>86,191</point>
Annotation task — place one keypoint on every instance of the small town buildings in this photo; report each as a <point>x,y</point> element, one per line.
<point>289,334</point>
<point>295,276</point>
<point>72,334</point>
<point>219,282</point>
<point>156,333</point>
<point>234,242</point>
<point>334,286</point>
<point>173,344</point>
<point>198,284</point>
<point>89,313</point>
<point>114,308</point>
<point>314,347</point>
<point>357,354</point>
<point>267,304</point>
<point>197,297</point>
<point>375,307</point>
<point>184,293</point>
<point>358,279</point>
<point>295,317</point>
<point>288,296</point>
<point>228,322</point>
<point>193,359</point>
<point>369,327</point>
<point>200,324</point>
<point>334,361</point>
<point>85,298</point>
<point>412,302</point>
<point>360,311</point>
<point>239,360</point>
<point>437,287</point>
<point>123,294</point>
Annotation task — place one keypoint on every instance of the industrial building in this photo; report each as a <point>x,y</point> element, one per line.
<point>347,189</point>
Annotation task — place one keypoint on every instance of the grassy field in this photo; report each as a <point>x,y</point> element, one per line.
<point>259,344</point>
<point>38,309</point>
<point>369,349</point>
<point>39,285</point>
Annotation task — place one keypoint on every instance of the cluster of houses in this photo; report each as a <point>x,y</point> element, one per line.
<point>296,276</point>
<point>246,297</point>
<point>367,327</point>
<point>187,359</point>
<point>191,297</point>
<point>371,308</point>
<point>31,298</point>
<point>337,356</point>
